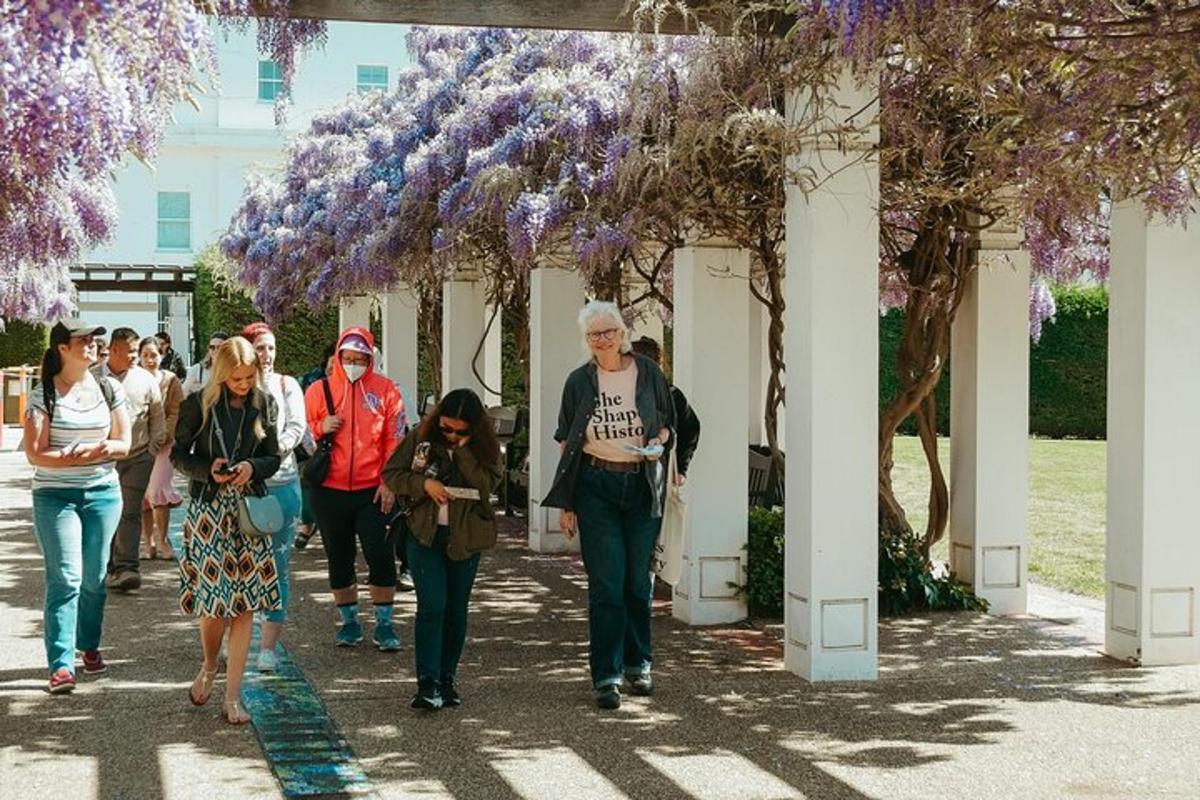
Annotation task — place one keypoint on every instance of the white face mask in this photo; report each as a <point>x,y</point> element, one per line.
<point>354,371</point>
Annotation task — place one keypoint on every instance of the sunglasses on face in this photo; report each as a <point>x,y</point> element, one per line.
<point>455,432</point>
<point>607,335</point>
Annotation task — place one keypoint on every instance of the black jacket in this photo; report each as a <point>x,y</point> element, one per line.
<point>196,447</point>
<point>173,362</point>
<point>655,407</point>
<point>688,430</point>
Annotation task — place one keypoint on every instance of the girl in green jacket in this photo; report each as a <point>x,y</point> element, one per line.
<point>445,475</point>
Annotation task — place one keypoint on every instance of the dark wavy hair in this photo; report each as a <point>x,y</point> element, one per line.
<point>463,404</point>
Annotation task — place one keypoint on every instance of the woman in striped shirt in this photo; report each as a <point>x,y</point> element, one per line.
<point>76,425</point>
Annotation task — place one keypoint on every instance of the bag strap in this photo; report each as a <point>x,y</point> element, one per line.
<point>328,396</point>
<point>107,390</point>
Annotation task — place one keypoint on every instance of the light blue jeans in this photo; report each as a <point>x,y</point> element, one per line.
<point>288,496</point>
<point>74,529</point>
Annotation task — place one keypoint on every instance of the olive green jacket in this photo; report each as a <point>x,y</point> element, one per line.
<point>472,522</point>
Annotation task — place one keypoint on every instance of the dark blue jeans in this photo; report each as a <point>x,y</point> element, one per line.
<point>443,592</point>
<point>616,536</point>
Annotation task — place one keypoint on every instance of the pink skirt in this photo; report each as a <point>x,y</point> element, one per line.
<point>160,492</point>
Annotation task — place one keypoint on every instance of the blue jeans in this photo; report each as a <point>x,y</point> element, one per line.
<point>288,496</point>
<point>74,529</point>
<point>443,592</point>
<point>616,538</point>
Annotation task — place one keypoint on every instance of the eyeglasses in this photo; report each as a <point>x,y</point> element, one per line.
<point>455,432</point>
<point>212,347</point>
<point>607,335</point>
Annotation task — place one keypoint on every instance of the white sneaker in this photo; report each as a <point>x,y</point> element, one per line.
<point>267,661</point>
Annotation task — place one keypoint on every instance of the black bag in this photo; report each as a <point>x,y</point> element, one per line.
<point>316,468</point>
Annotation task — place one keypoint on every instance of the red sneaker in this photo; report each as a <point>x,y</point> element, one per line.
<point>93,662</point>
<point>61,682</point>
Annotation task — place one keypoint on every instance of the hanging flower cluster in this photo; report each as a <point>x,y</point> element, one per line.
<point>83,83</point>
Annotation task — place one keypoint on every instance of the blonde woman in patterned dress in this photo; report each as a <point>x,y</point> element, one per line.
<point>226,576</point>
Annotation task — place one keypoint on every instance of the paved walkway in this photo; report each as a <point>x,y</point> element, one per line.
<point>966,705</point>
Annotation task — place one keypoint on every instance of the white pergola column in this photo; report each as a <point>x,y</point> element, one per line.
<point>989,426</point>
<point>400,311</point>
<point>463,305</point>
<point>711,369</point>
<point>1152,566</point>
<point>493,358</point>
<point>354,311</point>
<point>832,347</point>
<point>555,297</point>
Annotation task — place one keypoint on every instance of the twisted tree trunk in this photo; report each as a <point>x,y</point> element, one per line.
<point>937,265</point>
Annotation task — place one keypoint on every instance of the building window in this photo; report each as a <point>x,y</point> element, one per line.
<point>371,78</point>
<point>174,221</point>
<point>270,81</point>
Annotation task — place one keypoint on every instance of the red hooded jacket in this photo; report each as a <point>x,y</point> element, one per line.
<point>371,410</point>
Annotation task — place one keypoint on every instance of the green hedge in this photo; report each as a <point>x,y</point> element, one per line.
<point>219,305</point>
<point>22,343</point>
<point>1067,368</point>
<point>904,583</point>
<point>764,563</point>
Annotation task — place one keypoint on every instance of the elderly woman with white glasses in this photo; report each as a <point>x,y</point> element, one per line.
<point>615,425</point>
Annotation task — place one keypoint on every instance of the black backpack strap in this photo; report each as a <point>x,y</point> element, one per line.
<point>107,390</point>
<point>328,396</point>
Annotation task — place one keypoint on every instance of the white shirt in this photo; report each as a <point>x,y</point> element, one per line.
<point>290,424</point>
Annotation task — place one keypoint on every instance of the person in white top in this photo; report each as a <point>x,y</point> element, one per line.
<point>199,373</point>
<point>284,485</point>
<point>75,427</point>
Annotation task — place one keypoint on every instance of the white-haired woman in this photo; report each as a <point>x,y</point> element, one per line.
<point>614,427</point>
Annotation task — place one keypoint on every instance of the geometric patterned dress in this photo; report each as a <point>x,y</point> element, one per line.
<point>223,572</point>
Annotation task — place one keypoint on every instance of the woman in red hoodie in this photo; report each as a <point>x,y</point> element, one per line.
<point>360,411</point>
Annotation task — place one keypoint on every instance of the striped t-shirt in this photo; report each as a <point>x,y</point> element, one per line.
<point>85,417</point>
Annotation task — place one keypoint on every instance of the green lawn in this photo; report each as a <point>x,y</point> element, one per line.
<point>1066,508</point>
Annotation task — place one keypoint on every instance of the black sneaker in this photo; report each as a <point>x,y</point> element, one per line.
<point>609,697</point>
<point>428,696</point>
<point>303,537</point>
<point>450,696</point>
<point>641,685</point>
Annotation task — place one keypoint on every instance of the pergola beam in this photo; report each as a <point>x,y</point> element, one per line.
<point>587,15</point>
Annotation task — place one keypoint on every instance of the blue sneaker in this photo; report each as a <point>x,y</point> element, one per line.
<point>385,637</point>
<point>349,634</point>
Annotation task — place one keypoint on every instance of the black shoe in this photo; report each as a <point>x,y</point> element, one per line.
<point>302,539</point>
<point>428,696</point>
<point>450,696</point>
<point>609,697</point>
<point>641,685</point>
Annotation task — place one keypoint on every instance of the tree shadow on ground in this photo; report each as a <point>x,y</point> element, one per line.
<point>131,733</point>
<point>726,719</point>
<point>945,681</point>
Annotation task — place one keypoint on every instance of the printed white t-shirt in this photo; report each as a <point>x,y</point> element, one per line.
<point>615,424</point>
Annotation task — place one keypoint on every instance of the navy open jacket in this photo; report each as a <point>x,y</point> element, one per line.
<point>655,406</point>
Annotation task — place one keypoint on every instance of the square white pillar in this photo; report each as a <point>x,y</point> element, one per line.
<point>400,312</point>
<point>832,346</point>
<point>555,298</point>
<point>354,311</point>
<point>712,370</point>
<point>493,358</point>
<point>989,426</point>
<point>1152,565</point>
<point>463,305</point>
